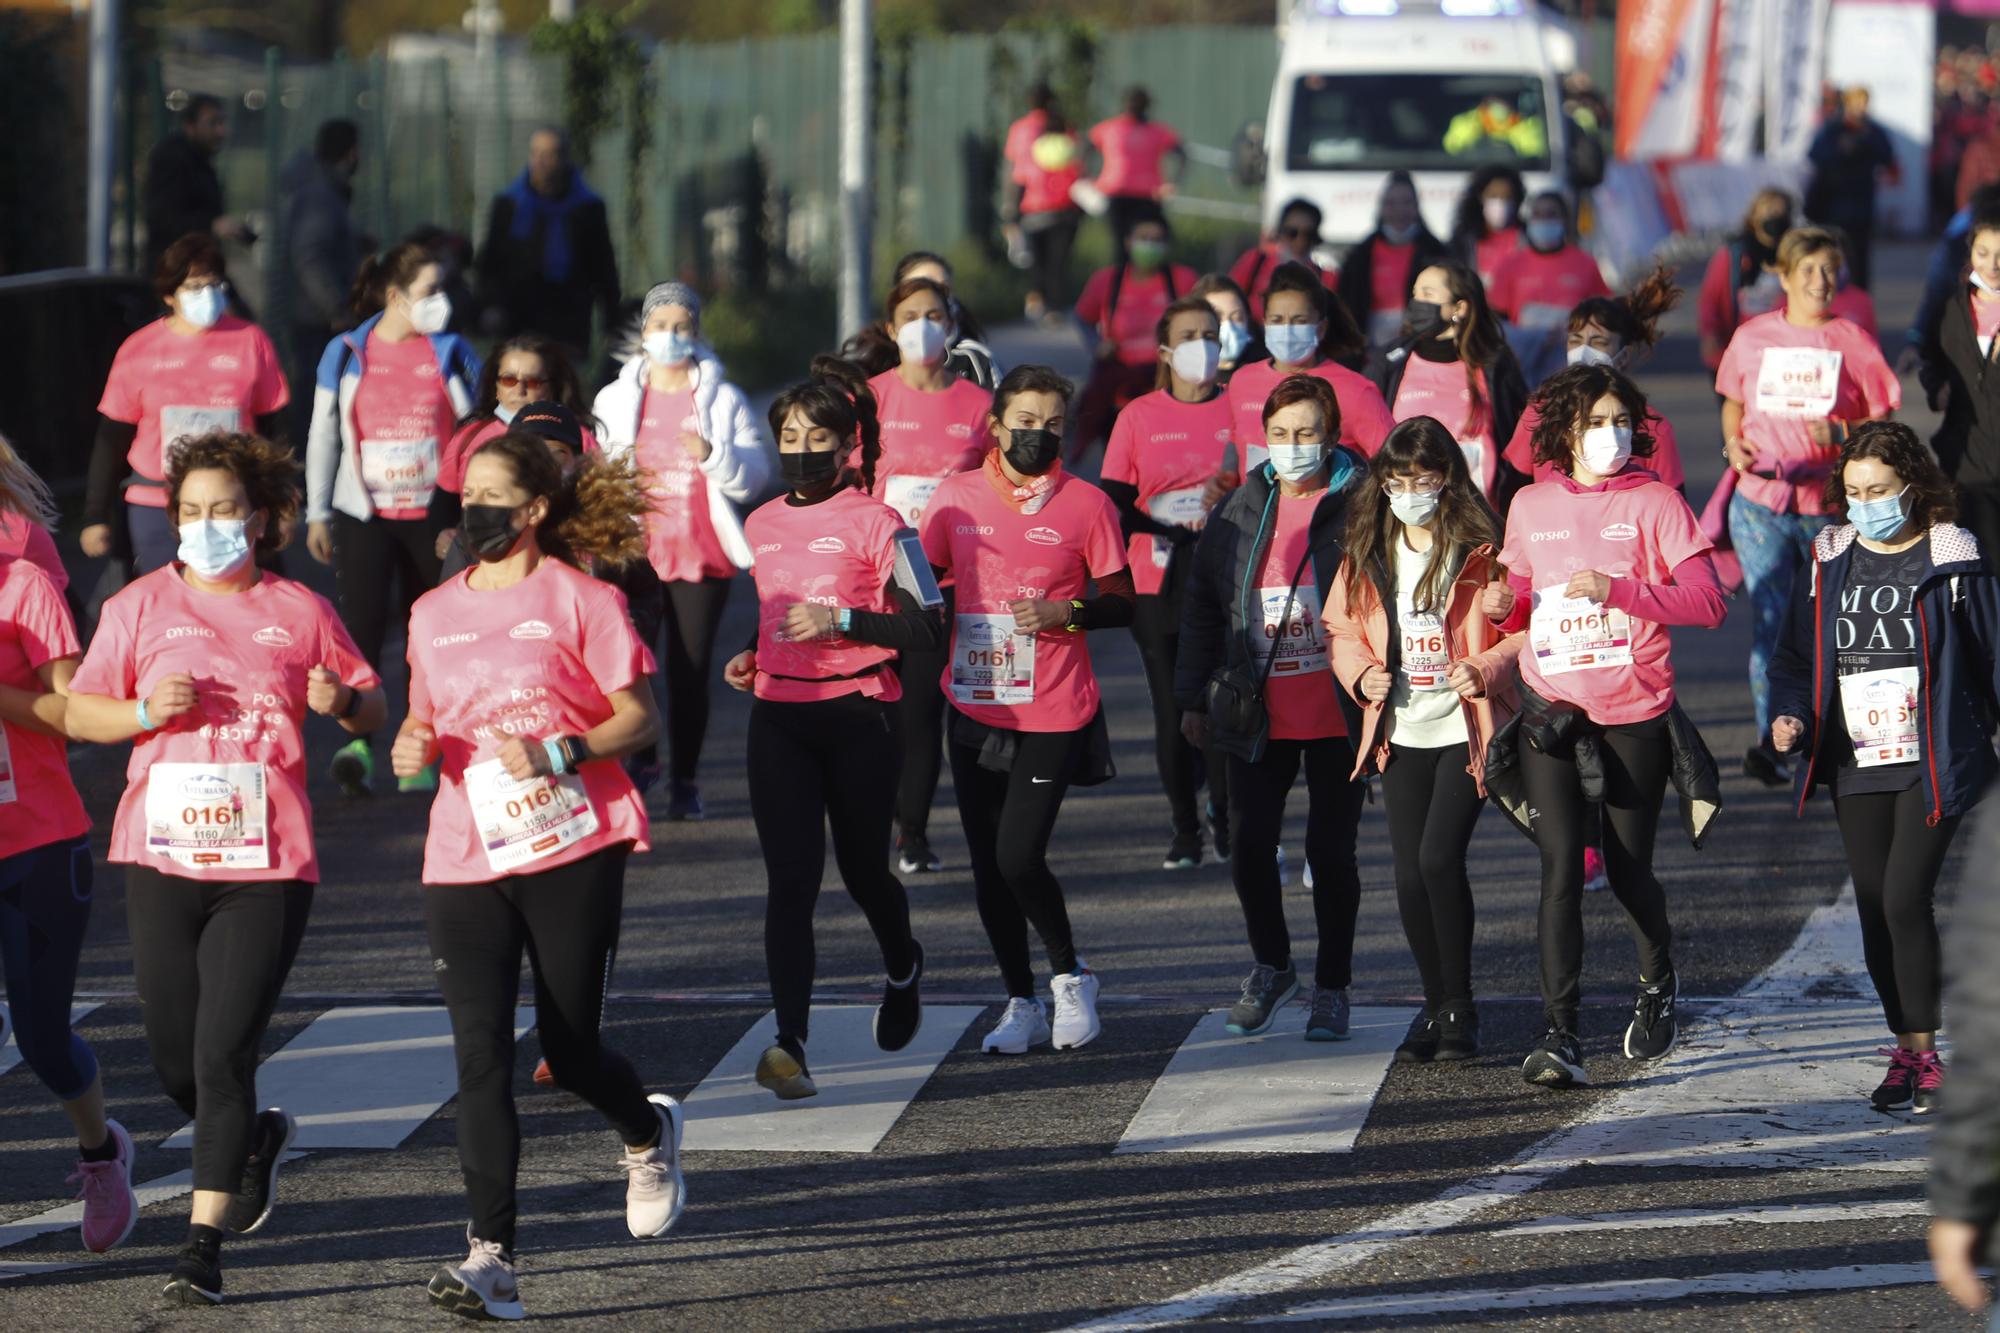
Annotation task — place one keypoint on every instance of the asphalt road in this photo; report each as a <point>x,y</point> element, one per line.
<point>995,1199</point>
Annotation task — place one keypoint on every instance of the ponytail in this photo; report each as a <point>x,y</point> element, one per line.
<point>1634,318</point>
<point>396,267</point>
<point>597,507</point>
<point>22,491</point>
<point>836,397</point>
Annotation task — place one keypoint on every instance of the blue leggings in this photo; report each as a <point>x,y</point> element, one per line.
<point>44,907</point>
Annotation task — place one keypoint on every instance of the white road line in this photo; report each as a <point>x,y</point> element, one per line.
<point>1625,1292</point>
<point>10,1053</point>
<point>862,1091</point>
<point>162,1189</point>
<point>361,1078</point>
<point>1274,1093</point>
<point>1667,1219</point>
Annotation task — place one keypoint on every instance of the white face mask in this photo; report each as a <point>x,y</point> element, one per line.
<point>215,548</point>
<point>1414,507</point>
<point>1296,462</point>
<point>668,349</point>
<point>1197,361</point>
<point>1583,354</point>
<point>203,306</point>
<point>1978,281</point>
<point>1606,448</point>
<point>505,413</point>
<point>922,342</point>
<point>431,313</point>
<point>1499,213</point>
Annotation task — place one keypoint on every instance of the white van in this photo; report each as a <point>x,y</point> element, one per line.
<point>1437,88</point>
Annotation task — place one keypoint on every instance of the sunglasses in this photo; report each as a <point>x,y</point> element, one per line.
<point>522,382</point>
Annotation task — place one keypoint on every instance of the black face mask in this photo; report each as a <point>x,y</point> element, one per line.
<point>809,469</point>
<point>487,532</point>
<point>1032,452</point>
<point>1421,319</point>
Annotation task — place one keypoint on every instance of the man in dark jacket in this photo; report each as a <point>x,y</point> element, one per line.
<point>1848,155</point>
<point>322,251</point>
<point>547,259</point>
<point>182,192</point>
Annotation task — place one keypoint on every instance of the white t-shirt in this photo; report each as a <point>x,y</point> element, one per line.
<point>1426,718</point>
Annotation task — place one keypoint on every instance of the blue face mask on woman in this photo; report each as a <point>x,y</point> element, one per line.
<point>1879,520</point>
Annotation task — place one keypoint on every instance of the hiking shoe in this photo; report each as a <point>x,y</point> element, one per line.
<point>685,803</point>
<point>1024,1023</point>
<point>1420,1047</point>
<point>1766,765</point>
<point>196,1279</point>
<point>785,1075</point>
<point>1930,1083</point>
<point>1075,1023</point>
<point>1596,879</point>
<point>258,1194</point>
<point>1458,1034</point>
<point>1899,1086</point>
<point>1652,1031</point>
<point>109,1207</point>
<point>423,780</point>
<point>1183,853</point>
<point>654,1192</point>
<point>1265,991</point>
<point>1218,832</point>
<point>1556,1061</point>
<point>1331,1017</point>
<point>353,767</point>
<point>914,855</point>
<point>482,1287</point>
<point>901,1012</point>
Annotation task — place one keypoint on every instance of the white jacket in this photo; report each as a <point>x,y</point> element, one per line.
<point>739,459</point>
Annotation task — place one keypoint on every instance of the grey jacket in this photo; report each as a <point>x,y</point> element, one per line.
<point>1965,1153</point>
<point>322,252</point>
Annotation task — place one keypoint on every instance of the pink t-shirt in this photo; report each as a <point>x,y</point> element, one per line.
<point>1142,299</point>
<point>1785,376</point>
<point>1300,695</point>
<point>926,437</point>
<point>38,802</point>
<point>1664,462</point>
<point>538,660</point>
<point>1985,319</point>
<point>23,537</point>
<point>998,555</point>
<point>840,552</point>
<point>1489,253</point>
<point>1132,150</point>
<point>220,792</point>
<point>403,421</point>
<point>1438,389</point>
<point>1253,269</point>
<point>171,384</point>
<point>1170,450</point>
<point>1613,665</point>
<point>471,437</point>
<point>1019,144</point>
<point>1389,275</point>
<point>1849,303</point>
<point>1537,291</point>
<point>681,541</point>
<point>1364,417</point>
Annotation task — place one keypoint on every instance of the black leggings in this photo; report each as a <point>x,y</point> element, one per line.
<point>210,959</point>
<point>1636,759</point>
<point>814,764</point>
<point>567,921</point>
<point>369,555</point>
<point>1049,242</point>
<point>1895,856</point>
<point>920,716</point>
<point>1333,818</point>
<point>1433,805</point>
<point>1009,818</point>
<point>1156,628</point>
<point>691,613</point>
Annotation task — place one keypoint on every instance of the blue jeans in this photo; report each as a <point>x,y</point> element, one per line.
<point>1772,548</point>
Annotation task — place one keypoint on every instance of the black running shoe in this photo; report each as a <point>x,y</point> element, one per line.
<point>1421,1046</point>
<point>1930,1083</point>
<point>1764,764</point>
<point>914,855</point>
<point>1458,1034</point>
<point>901,1012</point>
<point>1556,1061</point>
<point>258,1193</point>
<point>1218,833</point>
<point>1184,852</point>
<point>1652,1031</point>
<point>196,1280</point>
<point>1899,1085</point>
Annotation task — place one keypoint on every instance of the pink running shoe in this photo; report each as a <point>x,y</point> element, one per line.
<point>109,1207</point>
<point>1595,878</point>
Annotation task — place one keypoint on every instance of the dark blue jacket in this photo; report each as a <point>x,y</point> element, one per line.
<point>1958,669</point>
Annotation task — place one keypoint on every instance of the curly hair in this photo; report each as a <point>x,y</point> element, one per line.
<point>1634,318</point>
<point>267,472</point>
<point>1464,519</point>
<point>597,508</point>
<point>1187,305</point>
<point>1303,388</point>
<point>1565,400</point>
<point>836,397</point>
<point>1897,447</point>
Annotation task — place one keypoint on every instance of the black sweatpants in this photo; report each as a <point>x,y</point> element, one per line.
<point>811,765</point>
<point>920,717</point>
<point>1051,237</point>
<point>1009,818</point>
<point>691,615</point>
<point>1433,805</point>
<point>1895,856</point>
<point>567,921</point>
<point>1637,758</point>
<point>1333,819</point>
<point>210,959</point>
<point>1156,628</point>
<point>380,567</point>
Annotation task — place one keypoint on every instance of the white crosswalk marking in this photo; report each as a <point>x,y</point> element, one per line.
<point>862,1090</point>
<point>1271,1093</point>
<point>1667,1219</point>
<point>10,1052</point>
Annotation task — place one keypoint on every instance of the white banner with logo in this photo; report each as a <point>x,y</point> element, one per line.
<point>1794,45</point>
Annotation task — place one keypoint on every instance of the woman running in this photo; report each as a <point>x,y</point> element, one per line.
<point>45,867</point>
<point>1024,539</point>
<point>1608,557</point>
<point>832,617</point>
<point>875,349</point>
<point>1434,677</point>
<point>1164,471</point>
<point>1241,336</point>
<point>1308,331</point>
<point>1741,280</point>
<point>209,666</point>
<point>1535,287</point>
<point>1486,227</point>
<point>528,684</point>
<point>1884,681</point>
<point>1378,273</point>
<point>1263,569</point>
<point>1292,241</point>
<point>1116,313</point>
<point>691,434</point>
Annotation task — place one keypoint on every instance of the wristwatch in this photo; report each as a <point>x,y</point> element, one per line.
<point>843,619</point>
<point>353,703</point>
<point>1069,621</point>
<point>574,752</point>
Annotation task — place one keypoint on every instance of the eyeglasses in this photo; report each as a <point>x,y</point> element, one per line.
<point>1412,485</point>
<point>523,382</point>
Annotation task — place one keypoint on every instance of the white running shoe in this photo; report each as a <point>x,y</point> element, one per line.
<point>1076,1008</point>
<point>1025,1023</point>
<point>482,1287</point>
<point>654,1192</point>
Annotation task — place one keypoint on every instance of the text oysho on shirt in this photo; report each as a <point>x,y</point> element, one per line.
<point>840,552</point>
<point>1170,451</point>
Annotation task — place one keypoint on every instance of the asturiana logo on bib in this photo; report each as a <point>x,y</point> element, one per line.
<point>1044,536</point>
<point>1619,532</point>
<point>447,640</point>
<point>273,636</point>
<point>826,546</point>
<point>530,629</point>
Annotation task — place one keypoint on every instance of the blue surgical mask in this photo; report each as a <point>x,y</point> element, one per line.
<point>1292,344</point>
<point>203,306</point>
<point>669,349</point>
<point>505,413</point>
<point>1546,233</point>
<point>1234,338</point>
<point>1879,520</point>
<point>215,548</point>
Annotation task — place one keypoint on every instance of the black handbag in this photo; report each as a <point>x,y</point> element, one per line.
<point>1239,723</point>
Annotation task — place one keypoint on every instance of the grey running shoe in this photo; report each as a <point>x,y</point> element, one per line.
<point>1330,1019</point>
<point>1265,991</point>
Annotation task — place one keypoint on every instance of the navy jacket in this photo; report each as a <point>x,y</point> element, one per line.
<point>1958,671</point>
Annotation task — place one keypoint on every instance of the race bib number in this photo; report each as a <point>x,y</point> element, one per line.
<point>1426,648</point>
<point>1300,649</point>
<point>1798,381</point>
<point>1881,712</point>
<point>400,474</point>
<point>1183,508</point>
<point>208,816</point>
<point>908,495</point>
<point>7,796</point>
<point>521,822</point>
<point>1540,318</point>
<point>177,423</point>
<point>1577,634</point>
<point>990,662</point>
